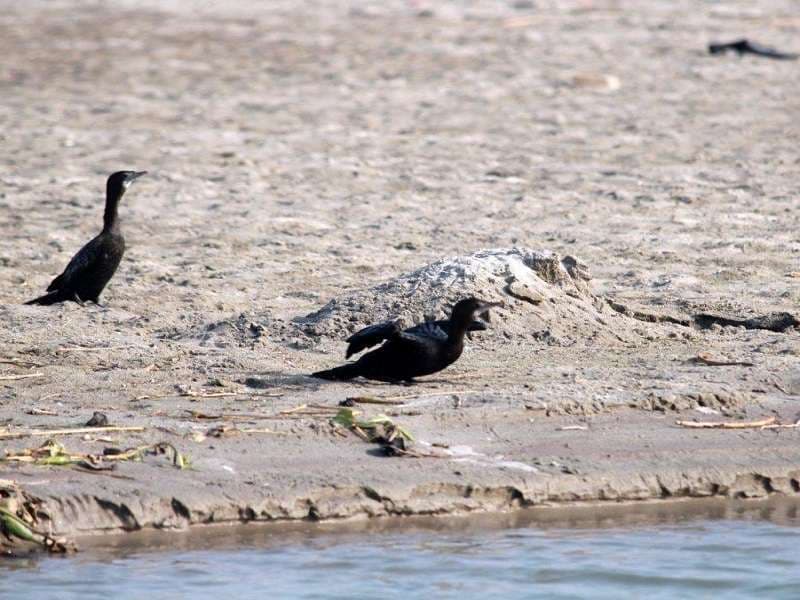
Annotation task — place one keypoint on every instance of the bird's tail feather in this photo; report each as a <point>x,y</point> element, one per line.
<point>343,373</point>
<point>48,299</point>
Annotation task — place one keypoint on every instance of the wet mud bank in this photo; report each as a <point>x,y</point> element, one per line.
<point>84,513</point>
<point>623,457</point>
<point>778,510</point>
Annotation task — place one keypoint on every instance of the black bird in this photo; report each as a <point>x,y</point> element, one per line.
<point>375,334</point>
<point>745,46</point>
<point>420,350</point>
<point>95,264</point>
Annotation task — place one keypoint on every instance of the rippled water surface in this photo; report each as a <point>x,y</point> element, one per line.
<point>698,558</point>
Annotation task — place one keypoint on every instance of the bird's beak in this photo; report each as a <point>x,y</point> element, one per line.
<point>477,325</point>
<point>136,175</point>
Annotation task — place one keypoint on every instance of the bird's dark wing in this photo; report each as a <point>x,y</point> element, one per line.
<point>79,265</point>
<point>434,330</point>
<point>444,326</point>
<point>424,339</point>
<point>370,336</point>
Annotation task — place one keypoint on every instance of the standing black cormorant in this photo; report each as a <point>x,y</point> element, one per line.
<point>420,350</point>
<point>94,265</point>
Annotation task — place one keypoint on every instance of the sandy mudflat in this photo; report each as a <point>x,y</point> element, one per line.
<point>303,152</point>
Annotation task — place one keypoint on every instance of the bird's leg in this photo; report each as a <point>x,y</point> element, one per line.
<point>96,302</point>
<point>77,298</point>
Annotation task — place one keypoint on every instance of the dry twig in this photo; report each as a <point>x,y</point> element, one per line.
<point>727,425</point>
<point>372,400</point>
<point>405,398</point>
<point>782,425</point>
<point>308,410</point>
<point>90,348</point>
<point>704,358</point>
<point>15,377</point>
<point>19,363</point>
<point>188,394</point>
<point>200,416</point>
<point>5,435</point>
<point>41,411</point>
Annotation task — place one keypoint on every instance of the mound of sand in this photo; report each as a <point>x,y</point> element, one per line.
<point>546,297</point>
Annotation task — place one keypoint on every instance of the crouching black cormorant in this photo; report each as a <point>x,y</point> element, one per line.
<point>375,334</point>
<point>94,265</point>
<point>420,350</point>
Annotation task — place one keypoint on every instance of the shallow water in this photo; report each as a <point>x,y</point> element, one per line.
<point>740,557</point>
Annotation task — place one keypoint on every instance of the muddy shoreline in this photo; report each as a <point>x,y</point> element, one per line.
<point>574,516</point>
<point>624,458</point>
<point>591,167</point>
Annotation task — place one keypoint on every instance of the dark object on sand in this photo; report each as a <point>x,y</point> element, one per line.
<point>98,420</point>
<point>778,322</point>
<point>391,440</point>
<point>420,350</point>
<point>745,46</point>
<point>375,334</point>
<point>95,264</point>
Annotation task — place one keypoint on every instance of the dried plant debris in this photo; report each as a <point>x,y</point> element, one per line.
<point>404,399</point>
<point>353,400</point>
<point>18,362</point>
<point>393,439</point>
<point>226,430</point>
<point>20,519</point>
<point>201,416</point>
<point>41,412</point>
<point>18,377</point>
<point>710,360</point>
<point>52,453</point>
<point>759,424</point>
<point>9,434</point>
<point>184,391</point>
<point>794,425</point>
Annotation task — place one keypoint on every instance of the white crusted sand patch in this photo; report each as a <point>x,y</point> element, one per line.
<point>545,296</point>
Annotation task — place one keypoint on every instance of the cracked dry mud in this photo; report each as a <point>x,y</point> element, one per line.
<point>315,166</point>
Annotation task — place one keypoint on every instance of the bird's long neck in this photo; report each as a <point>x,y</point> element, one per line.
<point>459,325</point>
<point>110,219</point>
